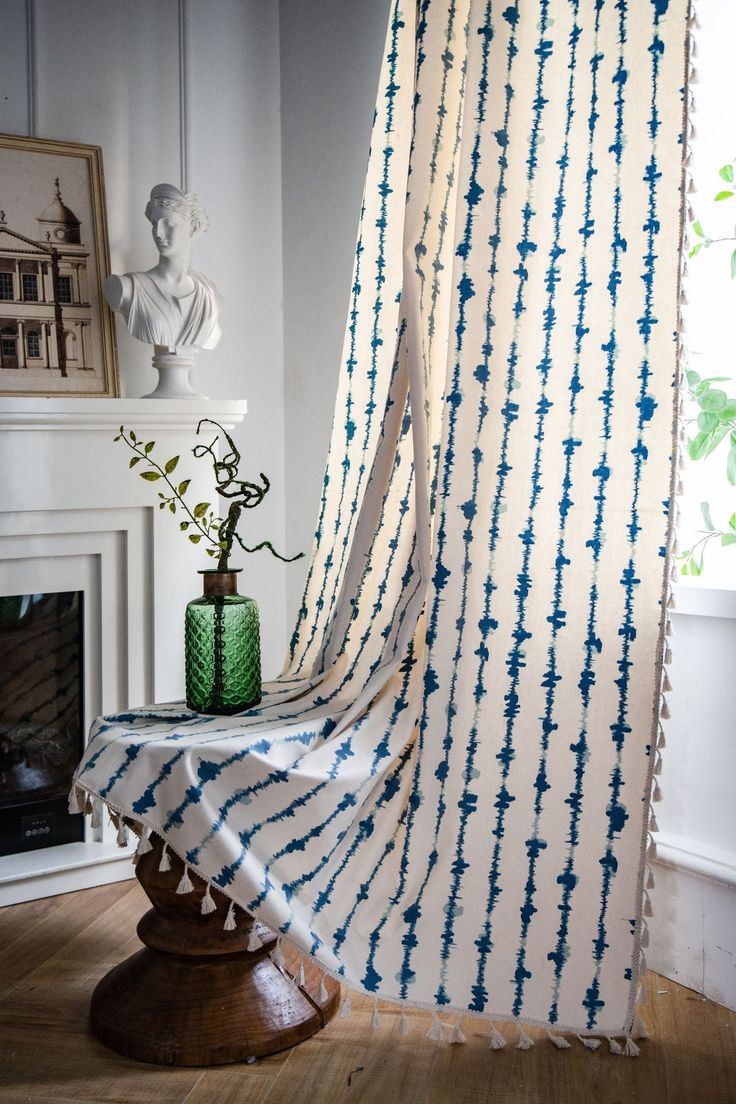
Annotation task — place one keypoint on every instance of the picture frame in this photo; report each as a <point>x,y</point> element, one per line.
<point>57,334</point>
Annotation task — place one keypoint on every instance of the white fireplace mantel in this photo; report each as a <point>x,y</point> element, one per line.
<point>74,517</point>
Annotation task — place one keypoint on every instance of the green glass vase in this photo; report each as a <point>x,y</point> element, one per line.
<point>222,647</point>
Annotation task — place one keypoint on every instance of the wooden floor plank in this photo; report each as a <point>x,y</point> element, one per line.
<point>60,948</point>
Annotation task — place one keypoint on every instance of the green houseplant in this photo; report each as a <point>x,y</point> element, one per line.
<point>222,627</point>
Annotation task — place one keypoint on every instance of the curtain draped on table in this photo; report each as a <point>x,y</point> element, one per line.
<point>445,797</point>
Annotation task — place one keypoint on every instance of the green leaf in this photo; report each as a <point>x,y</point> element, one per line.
<point>150,476</point>
<point>698,229</point>
<point>726,173</point>
<point>211,552</point>
<point>201,509</point>
<point>723,195</point>
<point>707,422</point>
<point>195,538</point>
<point>705,510</point>
<point>731,466</point>
<point>695,568</point>
<point>171,464</point>
<point>732,522</point>
<point>149,446</point>
<point>695,250</point>
<point>728,538</point>
<point>733,265</point>
<point>116,438</point>
<point>134,460</point>
<point>728,412</point>
<point>132,435</point>
<point>184,525</point>
<point>712,400</point>
<point>182,488</point>
<point>172,507</point>
<point>692,377</point>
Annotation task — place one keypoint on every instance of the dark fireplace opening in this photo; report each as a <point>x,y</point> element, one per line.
<point>41,718</point>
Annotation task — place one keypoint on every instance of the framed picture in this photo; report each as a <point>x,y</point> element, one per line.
<point>56,332</point>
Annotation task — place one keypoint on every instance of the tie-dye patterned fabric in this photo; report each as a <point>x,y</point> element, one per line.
<point>444,798</point>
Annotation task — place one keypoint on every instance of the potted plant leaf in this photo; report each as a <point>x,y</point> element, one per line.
<point>221,629</point>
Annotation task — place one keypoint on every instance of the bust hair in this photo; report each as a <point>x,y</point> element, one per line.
<point>184,203</point>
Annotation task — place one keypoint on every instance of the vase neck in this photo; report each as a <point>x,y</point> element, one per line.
<point>218,584</point>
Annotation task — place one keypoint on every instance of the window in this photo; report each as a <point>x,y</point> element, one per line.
<point>64,284</point>
<point>6,285</point>
<point>33,343</point>
<point>30,287</point>
<point>7,342</point>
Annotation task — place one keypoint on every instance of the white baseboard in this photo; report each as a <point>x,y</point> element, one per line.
<point>693,930</point>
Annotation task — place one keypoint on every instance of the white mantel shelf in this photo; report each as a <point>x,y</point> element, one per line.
<point>109,414</point>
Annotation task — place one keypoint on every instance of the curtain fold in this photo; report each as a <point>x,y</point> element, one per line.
<point>444,798</point>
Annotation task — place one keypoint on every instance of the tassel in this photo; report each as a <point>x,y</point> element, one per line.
<point>96,818</point>
<point>641,993</point>
<point>559,1040</point>
<point>456,1034</point>
<point>524,1041</point>
<point>254,940</point>
<point>657,764</point>
<point>403,1023</point>
<point>631,1050</point>
<point>642,964</point>
<point>345,1010</point>
<point>691,189</point>
<point>647,909</point>
<point>656,792</point>
<point>640,1029</point>
<point>165,863</point>
<point>653,826</point>
<point>589,1042</point>
<point>661,740</point>
<point>301,980</point>
<point>693,79</point>
<point>497,1040</point>
<point>323,996</point>
<point>144,844</point>
<point>208,905</point>
<point>666,684</point>
<point>436,1031</point>
<point>650,880</point>
<point>76,803</point>
<point>672,601</point>
<point>694,22</point>
<point>644,941</point>
<point>667,654</point>
<point>376,1017</point>
<point>651,850</point>
<point>664,710</point>
<point>230,924</point>
<point>185,885</point>
<point>87,805</point>
<point>122,833</point>
<point>614,1045</point>
<point>693,47</point>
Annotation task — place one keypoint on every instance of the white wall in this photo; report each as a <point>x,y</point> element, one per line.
<point>330,61</point>
<point>108,73</point>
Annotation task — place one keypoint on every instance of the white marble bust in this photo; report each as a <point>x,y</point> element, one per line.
<point>168,306</point>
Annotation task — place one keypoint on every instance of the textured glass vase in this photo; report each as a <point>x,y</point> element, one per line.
<point>222,647</point>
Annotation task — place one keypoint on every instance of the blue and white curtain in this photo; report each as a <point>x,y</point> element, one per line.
<point>445,797</point>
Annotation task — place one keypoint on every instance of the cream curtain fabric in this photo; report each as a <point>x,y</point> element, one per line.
<point>445,797</point>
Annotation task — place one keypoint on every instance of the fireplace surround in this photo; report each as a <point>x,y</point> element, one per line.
<point>72,520</point>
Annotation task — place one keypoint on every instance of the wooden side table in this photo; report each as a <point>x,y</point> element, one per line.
<point>194,995</point>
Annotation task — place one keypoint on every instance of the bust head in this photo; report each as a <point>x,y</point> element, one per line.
<point>176,217</point>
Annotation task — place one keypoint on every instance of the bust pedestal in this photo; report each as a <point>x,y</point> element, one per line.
<point>194,995</point>
<point>173,366</point>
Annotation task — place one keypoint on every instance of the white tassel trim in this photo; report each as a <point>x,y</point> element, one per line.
<point>300,978</point>
<point>76,800</point>
<point>96,817</point>
<point>208,905</point>
<point>345,1008</point>
<point>230,924</point>
<point>525,1042</point>
<point>254,940</point>
<point>376,1017</point>
<point>185,885</point>
<point>165,864</point>
<point>436,1031</point>
<point>650,878</point>
<point>144,844</point>
<point>456,1034</point>
<point>647,908</point>
<point>640,1028</point>
<point>277,955</point>
<point>656,792</point>
<point>403,1023</point>
<point>589,1042</point>
<point>322,996</point>
<point>614,1046</point>
<point>559,1040</point>
<point>497,1040</point>
<point>631,1050</point>
<point>122,836</point>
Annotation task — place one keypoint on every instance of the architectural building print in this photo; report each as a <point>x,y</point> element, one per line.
<point>45,310</point>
